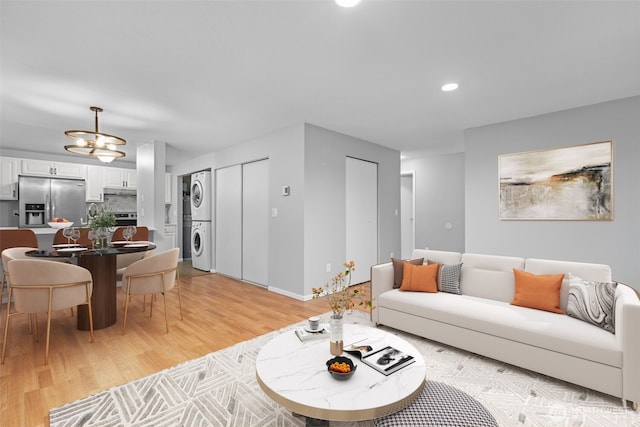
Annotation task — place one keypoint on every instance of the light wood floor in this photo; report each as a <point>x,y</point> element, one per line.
<point>218,312</point>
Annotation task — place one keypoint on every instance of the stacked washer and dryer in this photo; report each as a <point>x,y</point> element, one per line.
<point>201,241</point>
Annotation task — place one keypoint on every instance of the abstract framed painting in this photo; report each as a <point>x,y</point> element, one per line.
<point>568,183</point>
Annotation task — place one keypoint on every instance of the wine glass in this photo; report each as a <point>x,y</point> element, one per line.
<point>67,232</point>
<point>130,231</point>
<point>75,234</point>
<point>92,235</point>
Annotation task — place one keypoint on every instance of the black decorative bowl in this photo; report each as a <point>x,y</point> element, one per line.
<point>341,375</point>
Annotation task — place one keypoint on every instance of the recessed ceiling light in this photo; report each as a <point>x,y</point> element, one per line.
<point>347,3</point>
<point>449,87</point>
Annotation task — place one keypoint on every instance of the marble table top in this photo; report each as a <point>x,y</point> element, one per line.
<point>294,374</point>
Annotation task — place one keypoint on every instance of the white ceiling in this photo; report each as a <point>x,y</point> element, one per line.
<point>203,75</point>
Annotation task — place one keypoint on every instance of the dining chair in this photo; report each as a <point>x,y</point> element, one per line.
<point>142,234</point>
<point>18,237</point>
<point>22,237</point>
<point>18,252</point>
<point>149,276</point>
<point>45,286</point>
<point>7,255</point>
<point>126,259</point>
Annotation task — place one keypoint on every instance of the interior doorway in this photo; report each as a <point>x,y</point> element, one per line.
<point>407,214</point>
<point>186,216</point>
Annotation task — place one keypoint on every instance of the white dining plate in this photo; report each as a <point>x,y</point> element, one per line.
<point>136,245</point>
<point>119,243</point>
<point>66,245</point>
<point>74,249</point>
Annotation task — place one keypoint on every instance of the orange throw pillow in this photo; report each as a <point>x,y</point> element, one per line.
<point>398,269</point>
<point>419,278</point>
<point>541,292</point>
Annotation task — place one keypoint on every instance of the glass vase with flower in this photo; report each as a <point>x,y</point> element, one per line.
<point>103,221</point>
<point>342,299</point>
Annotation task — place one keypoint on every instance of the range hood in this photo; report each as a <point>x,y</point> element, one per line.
<point>119,191</point>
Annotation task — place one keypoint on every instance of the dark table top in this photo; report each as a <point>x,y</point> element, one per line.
<point>110,250</point>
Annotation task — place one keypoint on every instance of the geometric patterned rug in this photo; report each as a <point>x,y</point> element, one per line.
<point>220,389</point>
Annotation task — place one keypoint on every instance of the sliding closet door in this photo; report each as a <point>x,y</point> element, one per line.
<point>229,221</point>
<point>362,216</point>
<point>255,222</point>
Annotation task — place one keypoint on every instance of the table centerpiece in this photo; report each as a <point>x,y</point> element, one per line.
<point>342,298</point>
<point>102,222</point>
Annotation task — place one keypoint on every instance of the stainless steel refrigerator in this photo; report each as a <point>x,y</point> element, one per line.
<point>41,199</point>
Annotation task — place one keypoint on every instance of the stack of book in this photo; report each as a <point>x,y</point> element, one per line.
<point>306,334</point>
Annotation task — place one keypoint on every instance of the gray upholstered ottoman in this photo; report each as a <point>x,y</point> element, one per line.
<point>443,406</point>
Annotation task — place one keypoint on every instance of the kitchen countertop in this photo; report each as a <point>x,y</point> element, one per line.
<point>44,230</point>
<point>47,230</point>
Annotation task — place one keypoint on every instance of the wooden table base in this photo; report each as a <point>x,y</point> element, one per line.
<point>103,298</point>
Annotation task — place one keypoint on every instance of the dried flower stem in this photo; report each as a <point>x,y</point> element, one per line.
<point>342,296</point>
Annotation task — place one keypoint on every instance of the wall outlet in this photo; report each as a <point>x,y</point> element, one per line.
<point>328,268</point>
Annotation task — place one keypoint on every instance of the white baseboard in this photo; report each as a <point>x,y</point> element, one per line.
<point>287,293</point>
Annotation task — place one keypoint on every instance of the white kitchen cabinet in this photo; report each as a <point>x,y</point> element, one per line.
<point>120,178</point>
<point>58,169</point>
<point>167,189</point>
<point>95,184</point>
<point>9,178</point>
<point>131,178</point>
<point>170,236</point>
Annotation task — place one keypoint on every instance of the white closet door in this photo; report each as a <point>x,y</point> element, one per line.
<point>255,222</point>
<point>407,223</point>
<point>362,216</point>
<point>229,221</point>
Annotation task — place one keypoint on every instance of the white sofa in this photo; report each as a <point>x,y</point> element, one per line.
<point>483,321</point>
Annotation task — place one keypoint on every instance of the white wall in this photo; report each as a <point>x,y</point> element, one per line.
<point>308,232</point>
<point>439,200</point>
<point>324,202</point>
<point>614,242</point>
<point>150,160</point>
<point>284,149</point>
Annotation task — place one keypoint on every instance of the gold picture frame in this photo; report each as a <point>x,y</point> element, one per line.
<point>568,183</point>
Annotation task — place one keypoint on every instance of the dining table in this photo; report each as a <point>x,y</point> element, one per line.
<point>101,262</point>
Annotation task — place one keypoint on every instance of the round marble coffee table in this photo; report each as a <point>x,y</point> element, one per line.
<point>294,374</point>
